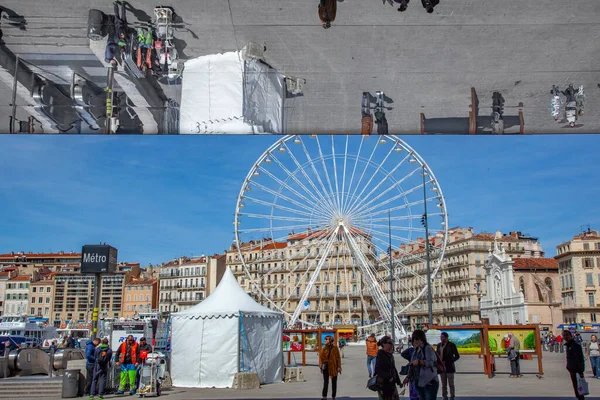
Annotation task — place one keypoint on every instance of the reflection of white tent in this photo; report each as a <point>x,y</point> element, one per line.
<point>226,333</point>
<point>222,93</point>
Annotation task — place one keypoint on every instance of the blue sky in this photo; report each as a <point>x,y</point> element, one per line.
<point>155,198</point>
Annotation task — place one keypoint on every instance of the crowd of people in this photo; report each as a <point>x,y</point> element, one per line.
<point>129,357</point>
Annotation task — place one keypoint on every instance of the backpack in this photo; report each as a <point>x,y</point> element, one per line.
<point>439,364</point>
<point>103,358</point>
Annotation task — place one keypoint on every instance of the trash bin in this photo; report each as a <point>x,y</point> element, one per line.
<point>70,385</point>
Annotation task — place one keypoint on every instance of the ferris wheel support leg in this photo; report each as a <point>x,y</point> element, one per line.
<point>314,277</point>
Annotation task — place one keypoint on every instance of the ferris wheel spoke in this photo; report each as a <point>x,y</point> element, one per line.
<point>399,228</point>
<point>335,175</point>
<point>398,249</point>
<point>405,217</point>
<point>343,200</point>
<point>281,196</point>
<point>270,229</point>
<point>361,208</point>
<point>277,206</point>
<point>322,195</point>
<point>311,162</point>
<point>292,190</point>
<point>322,158</point>
<point>381,182</point>
<point>319,198</point>
<point>367,164</point>
<point>368,208</point>
<point>403,206</point>
<point>356,159</point>
<point>375,175</point>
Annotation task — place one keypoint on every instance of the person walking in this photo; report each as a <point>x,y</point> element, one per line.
<point>330,364</point>
<point>70,343</point>
<point>90,362</point>
<point>407,355</point>
<point>53,346</point>
<point>449,355</point>
<point>424,367</point>
<point>371,353</point>
<point>575,360</point>
<point>558,344</point>
<point>385,369</point>
<point>128,356</point>
<point>102,357</point>
<point>593,353</point>
<point>514,355</point>
<point>327,12</point>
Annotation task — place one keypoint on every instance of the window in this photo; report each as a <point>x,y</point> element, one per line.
<point>47,300</point>
<point>33,301</point>
<point>598,246</point>
<point>589,280</point>
<point>591,299</point>
<point>33,313</point>
<point>588,263</point>
<point>593,317</point>
<point>586,246</point>
<point>48,289</point>
<point>34,288</point>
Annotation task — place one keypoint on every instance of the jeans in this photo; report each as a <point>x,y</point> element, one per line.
<point>515,366</point>
<point>447,380</point>
<point>89,378</point>
<point>326,384</point>
<point>98,382</point>
<point>371,364</point>
<point>430,391</point>
<point>574,382</point>
<point>595,360</point>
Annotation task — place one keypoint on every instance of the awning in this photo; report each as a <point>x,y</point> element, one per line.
<point>345,330</point>
<point>33,319</point>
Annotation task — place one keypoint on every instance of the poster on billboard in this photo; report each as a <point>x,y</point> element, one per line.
<point>467,341</point>
<point>285,340</point>
<point>120,332</point>
<point>498,339</point>
<point>310,341</point>
<point>296,341</point>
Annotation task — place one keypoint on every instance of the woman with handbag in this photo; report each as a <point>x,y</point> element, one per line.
<point>407,355</point>
<point>386,372</point>
<point>330,364</point>
<point>424,372</point>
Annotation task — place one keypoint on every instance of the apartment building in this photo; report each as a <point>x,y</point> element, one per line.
<point>139,295</point>
<point>28,263</point>
<point>459,284</point>
<point>283,270</point>
<point>579,271</point>
<point>183,283</point>
<point>5,276</point>
<point>74,294</point>
<point>538,280</point>
<point>17,295</point>
<point>41,299</point>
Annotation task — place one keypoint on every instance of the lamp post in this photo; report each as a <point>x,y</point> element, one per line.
<point>391,278</point>
<point>427,254</point>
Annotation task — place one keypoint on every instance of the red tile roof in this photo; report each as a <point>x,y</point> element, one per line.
<point>141,282</point>
<point>271,246</point>
<point>535,263</point>
<point>43,283</point>
<point>21,278</point>
<point>40,255</point>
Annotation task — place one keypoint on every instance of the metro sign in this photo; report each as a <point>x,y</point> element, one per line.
<point>98,259</point>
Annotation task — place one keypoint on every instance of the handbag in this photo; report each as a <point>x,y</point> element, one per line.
<point>439,364</point>
<point>373,385</point>
<point>405,369</point>
<point>582,385</point>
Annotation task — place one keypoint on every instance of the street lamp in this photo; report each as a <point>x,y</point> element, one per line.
<point>391,277</point>
<point>424,222</point>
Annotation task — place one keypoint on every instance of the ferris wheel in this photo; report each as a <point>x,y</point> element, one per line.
<point>315,220</point>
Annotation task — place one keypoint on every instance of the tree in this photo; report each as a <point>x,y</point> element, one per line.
<point>530,341</point>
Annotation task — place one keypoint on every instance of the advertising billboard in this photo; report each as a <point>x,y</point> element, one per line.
<point>296,341</point>
<point>498,339</point>
<point>467,341</point>
<point>310,341</point>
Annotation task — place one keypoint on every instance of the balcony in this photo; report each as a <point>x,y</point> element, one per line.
<point>458,294</point>
<point>455,265</point>
<point>188,301</point>
<point>461,309</point>
<point>457,279</point>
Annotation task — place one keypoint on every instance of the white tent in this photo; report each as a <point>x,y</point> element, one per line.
<point>222,93</point>
<point>225,334</point>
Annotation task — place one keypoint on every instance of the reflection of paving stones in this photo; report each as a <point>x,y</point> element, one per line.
<point>426,62</point>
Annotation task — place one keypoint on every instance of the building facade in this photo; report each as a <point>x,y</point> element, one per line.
<point>183,283</point>
<point>17,295</point>
<point>41,299</point>
<point>459,285</point>
<point>139,295</point>
<point>579,271</point>
<point>538,280</point>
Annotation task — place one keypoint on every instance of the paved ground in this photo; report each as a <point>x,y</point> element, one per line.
<point>470,382</point>
<point>424,63</point>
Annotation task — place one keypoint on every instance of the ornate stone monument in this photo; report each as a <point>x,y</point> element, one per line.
<point>503,305</point>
